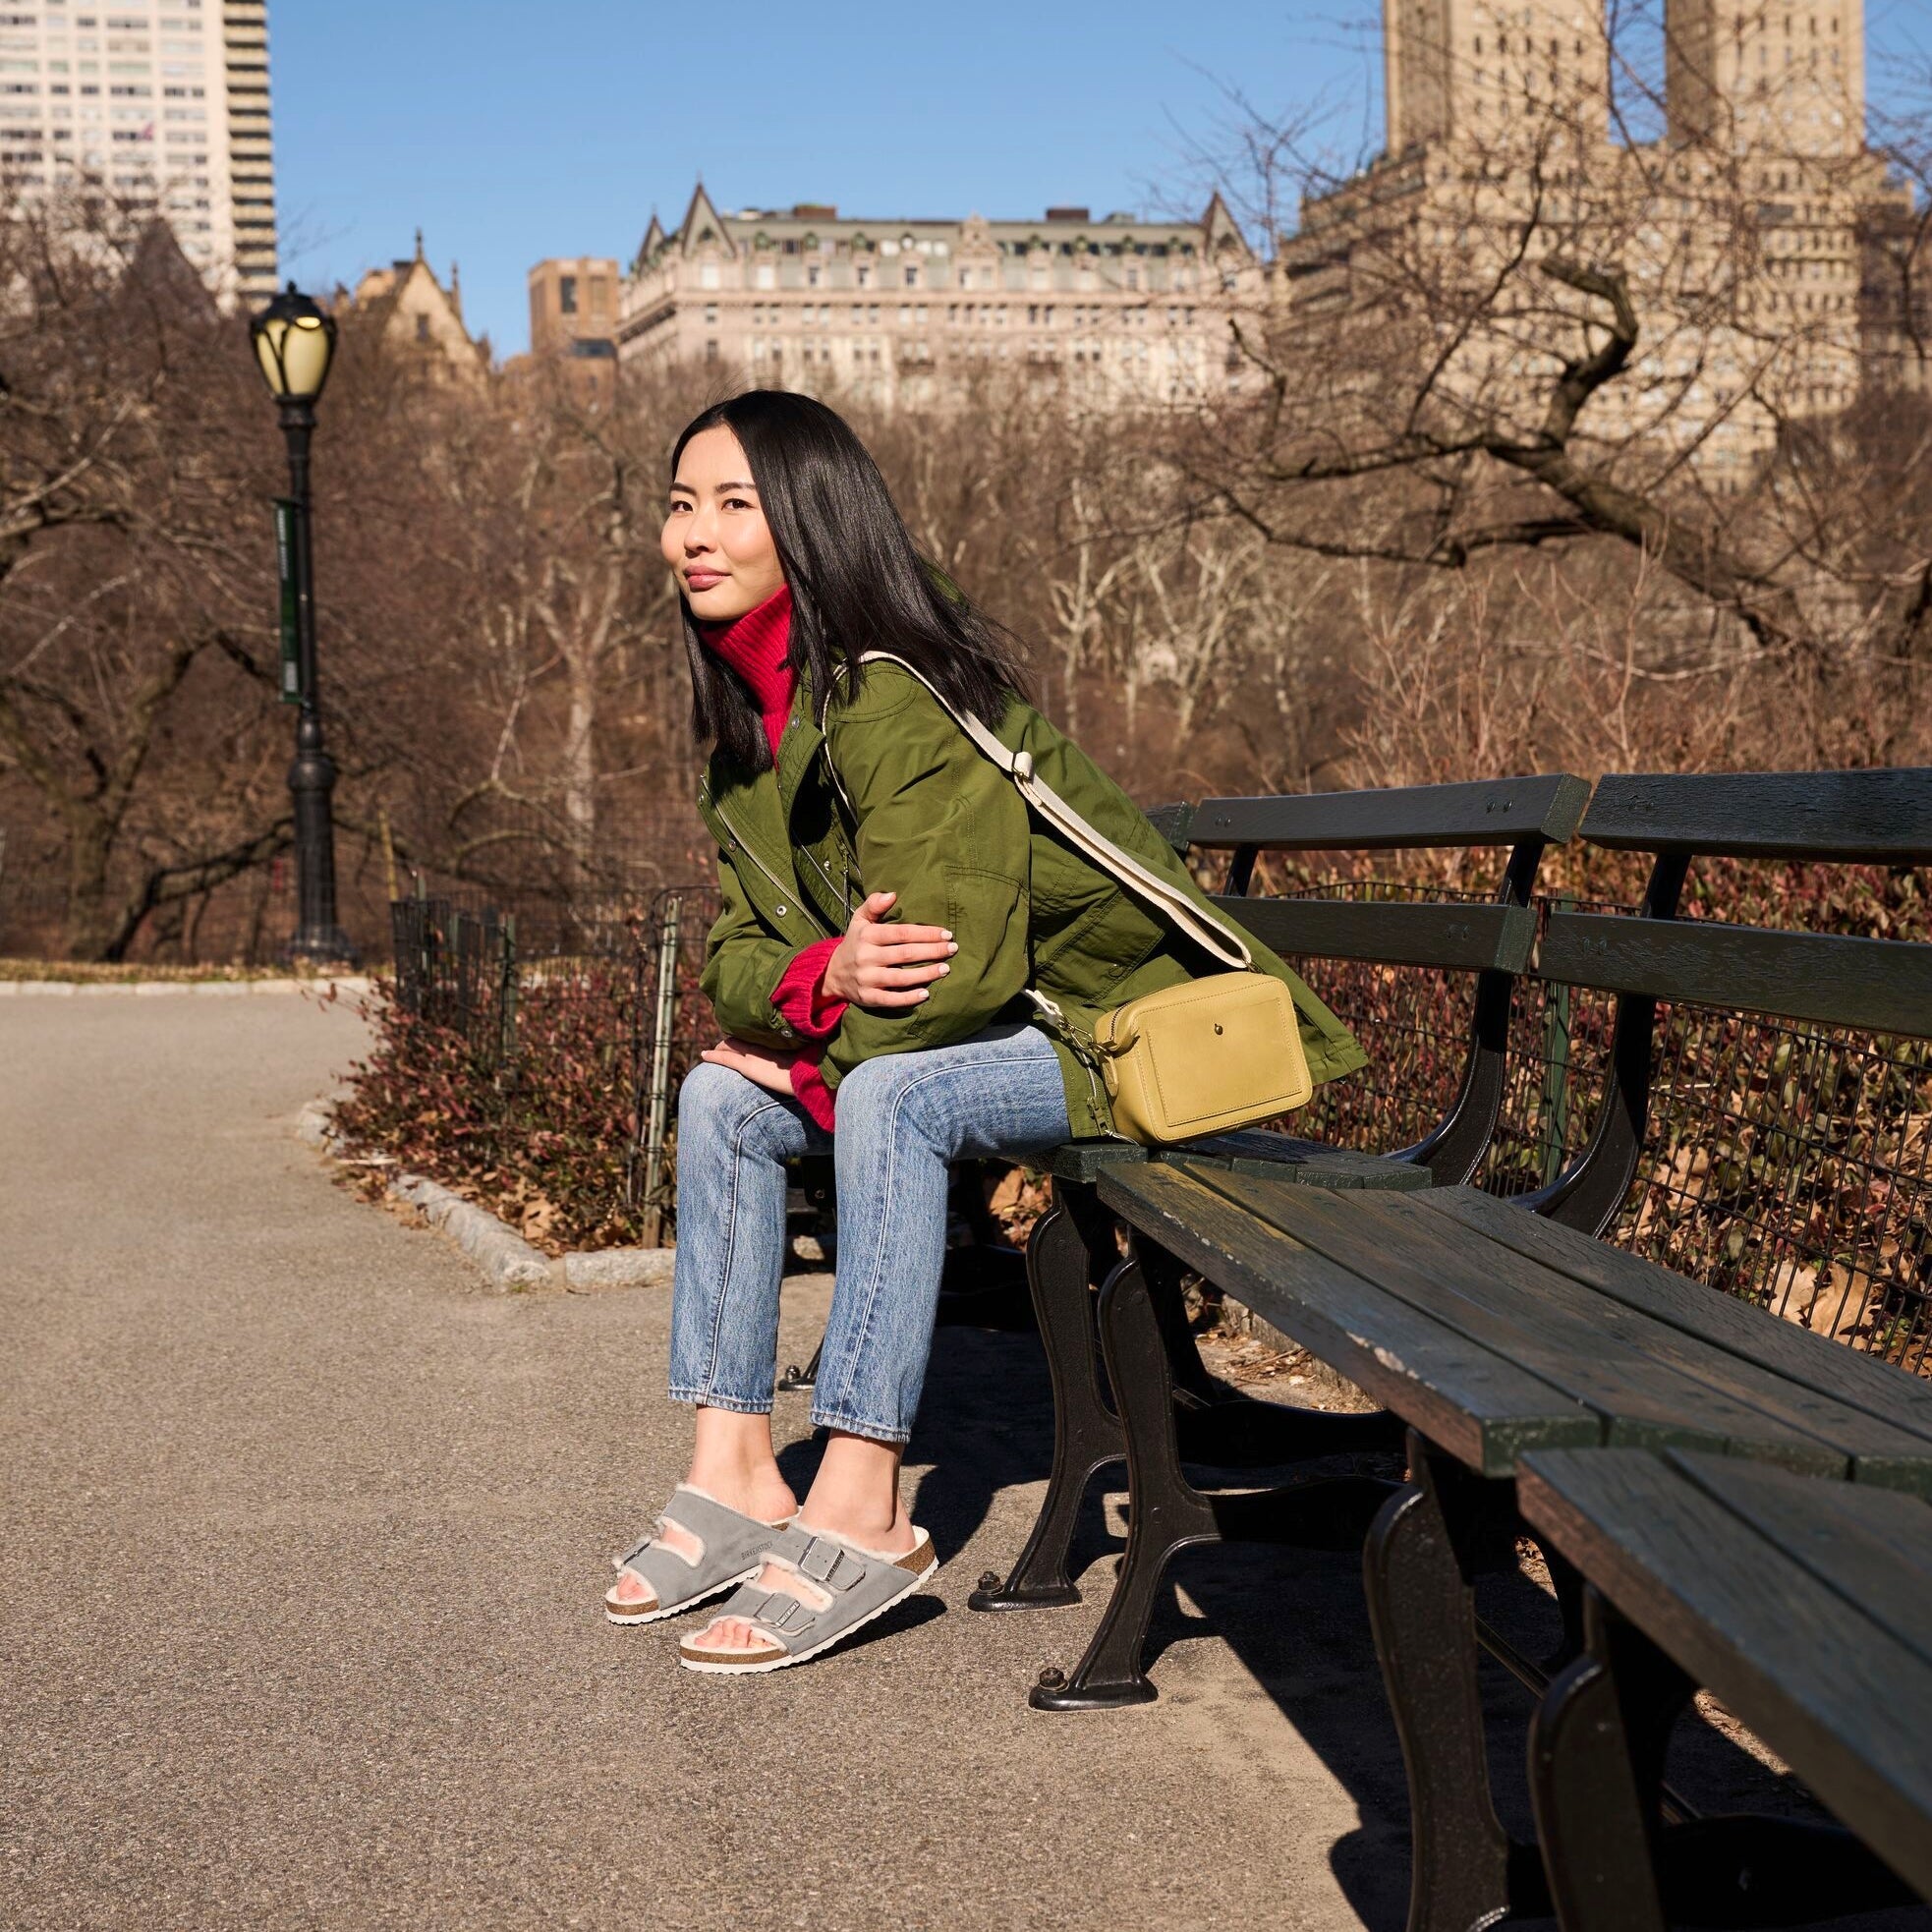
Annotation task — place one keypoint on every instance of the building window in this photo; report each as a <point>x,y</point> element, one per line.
<point>711,312</point>
<point>812,273</point>
<point>567,294</point>
<point>710,350</point>
<point>423,328</point>
<point>912,275</point>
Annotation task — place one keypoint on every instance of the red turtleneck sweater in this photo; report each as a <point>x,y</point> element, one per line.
<point>756,647</point>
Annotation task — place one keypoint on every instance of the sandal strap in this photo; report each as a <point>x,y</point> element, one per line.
<point>731,1544</point>
<point>856,1584</point>
<point>828,1562</point>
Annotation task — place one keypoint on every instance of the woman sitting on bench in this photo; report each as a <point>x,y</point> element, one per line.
<point>890,913</point>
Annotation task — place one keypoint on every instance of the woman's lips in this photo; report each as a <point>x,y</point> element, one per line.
<point>701,580</point>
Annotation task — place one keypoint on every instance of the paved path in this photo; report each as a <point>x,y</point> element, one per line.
<point>300,1547</point>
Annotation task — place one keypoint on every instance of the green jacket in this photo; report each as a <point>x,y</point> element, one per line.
<point>939,824</point>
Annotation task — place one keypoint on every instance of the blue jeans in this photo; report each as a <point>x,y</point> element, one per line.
<point>901,1118</point>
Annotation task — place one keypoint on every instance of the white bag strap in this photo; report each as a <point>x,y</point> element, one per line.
<point>1221,941</point>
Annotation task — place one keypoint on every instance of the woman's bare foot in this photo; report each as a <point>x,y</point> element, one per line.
<point>856,1497</point>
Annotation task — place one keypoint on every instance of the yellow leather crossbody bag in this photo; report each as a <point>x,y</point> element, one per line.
<point>1204,1058</point>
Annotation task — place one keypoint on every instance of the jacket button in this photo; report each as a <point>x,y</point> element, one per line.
<point>779,910</point>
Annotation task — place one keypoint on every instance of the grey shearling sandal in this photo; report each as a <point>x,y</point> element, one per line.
<point>732,1548</point>
<point>857,1584</point>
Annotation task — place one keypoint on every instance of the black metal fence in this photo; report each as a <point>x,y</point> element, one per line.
<point>622,989</point>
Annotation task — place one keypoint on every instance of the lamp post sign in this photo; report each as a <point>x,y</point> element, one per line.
<point>286,536</point>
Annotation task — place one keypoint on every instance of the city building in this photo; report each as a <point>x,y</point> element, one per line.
<point>573,321</point>
<point>414,314</point>
<point>573,307</point>
<point>1741,230</point>
<point>1116,309</point>
<point>157,107</point>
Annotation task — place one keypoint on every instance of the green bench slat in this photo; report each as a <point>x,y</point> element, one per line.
<point>1861,1381</point>
<point>1257,1151</point>
<point>1479,1406</point>
<point>1642,1378</point>
<point>1253,1150</point>
<point>1882,817</point>
<point>1461,938</point>
<point>1759,1412</point>
<point>1733,1597</point>
<point>1874,1548</point>
<point>1881,986</point>
<point>1494,812</point>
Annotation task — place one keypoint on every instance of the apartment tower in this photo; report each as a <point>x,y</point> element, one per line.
<point>161,105</point>
<point>1776,76</point>
<point>1458,70</point>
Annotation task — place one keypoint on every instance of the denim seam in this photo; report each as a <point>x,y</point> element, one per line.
<point>709,1398</point>
<point>878,1260</point>
<point>853,1425</point>
<point>731,1237</point>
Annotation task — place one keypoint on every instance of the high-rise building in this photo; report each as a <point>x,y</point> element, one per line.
<point>1780,75</point>
<point>160,106</point>
<point>1737,233</point>
<point>1117,310</point>
<point>1474,67</point>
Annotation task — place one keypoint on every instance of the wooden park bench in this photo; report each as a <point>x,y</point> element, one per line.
<point>1803,1605</point>
<point>1491,1329</point>
<point>1072,1248</point>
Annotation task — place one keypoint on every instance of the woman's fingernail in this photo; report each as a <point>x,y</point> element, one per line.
<point>925,993</point>
<point>946,932</point>
<point>944,968</point>
<point>954,947</point>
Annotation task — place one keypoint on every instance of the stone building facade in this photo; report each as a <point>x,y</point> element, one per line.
<point>1115,308</point>
<point>1742,230</point>
<point>416,316</point>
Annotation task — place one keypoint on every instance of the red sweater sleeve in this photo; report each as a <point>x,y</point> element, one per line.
<point>800,995</point>
<point>813,1096</point>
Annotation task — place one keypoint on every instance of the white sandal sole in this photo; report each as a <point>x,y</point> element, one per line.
<point>724,1667</point>
<point>663,1610</point>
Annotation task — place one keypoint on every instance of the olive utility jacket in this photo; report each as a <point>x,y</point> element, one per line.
<point>942,826</point>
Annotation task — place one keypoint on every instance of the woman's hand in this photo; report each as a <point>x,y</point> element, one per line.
<point>761,1063</point>
<point>884,966</point>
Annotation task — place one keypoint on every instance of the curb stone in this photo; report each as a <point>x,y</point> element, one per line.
<point>505,1256</point>
<point>351,984</point>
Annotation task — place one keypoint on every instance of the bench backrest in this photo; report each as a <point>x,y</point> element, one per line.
<point>1492,940</point>
<point>1864,985</point>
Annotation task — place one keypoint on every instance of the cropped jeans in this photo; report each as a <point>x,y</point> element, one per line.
<point>901,1118</point>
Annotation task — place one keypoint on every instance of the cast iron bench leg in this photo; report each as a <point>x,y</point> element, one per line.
<point>1615,1859</point>
<point>1596,1770</point>
<point>1167,1511</point>
<point>1071,1248</point>
<point>1419,1566</point>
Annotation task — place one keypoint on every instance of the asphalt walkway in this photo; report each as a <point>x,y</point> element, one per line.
<point>302,1539</point>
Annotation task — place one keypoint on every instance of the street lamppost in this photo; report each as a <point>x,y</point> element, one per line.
<point>294,341</point>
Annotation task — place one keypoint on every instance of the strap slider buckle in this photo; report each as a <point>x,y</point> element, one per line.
<point>1023,765</point>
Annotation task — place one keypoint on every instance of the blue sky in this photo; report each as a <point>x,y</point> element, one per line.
<point>511,131</point>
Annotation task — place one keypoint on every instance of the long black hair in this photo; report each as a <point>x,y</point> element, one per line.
<point>856,580</point>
